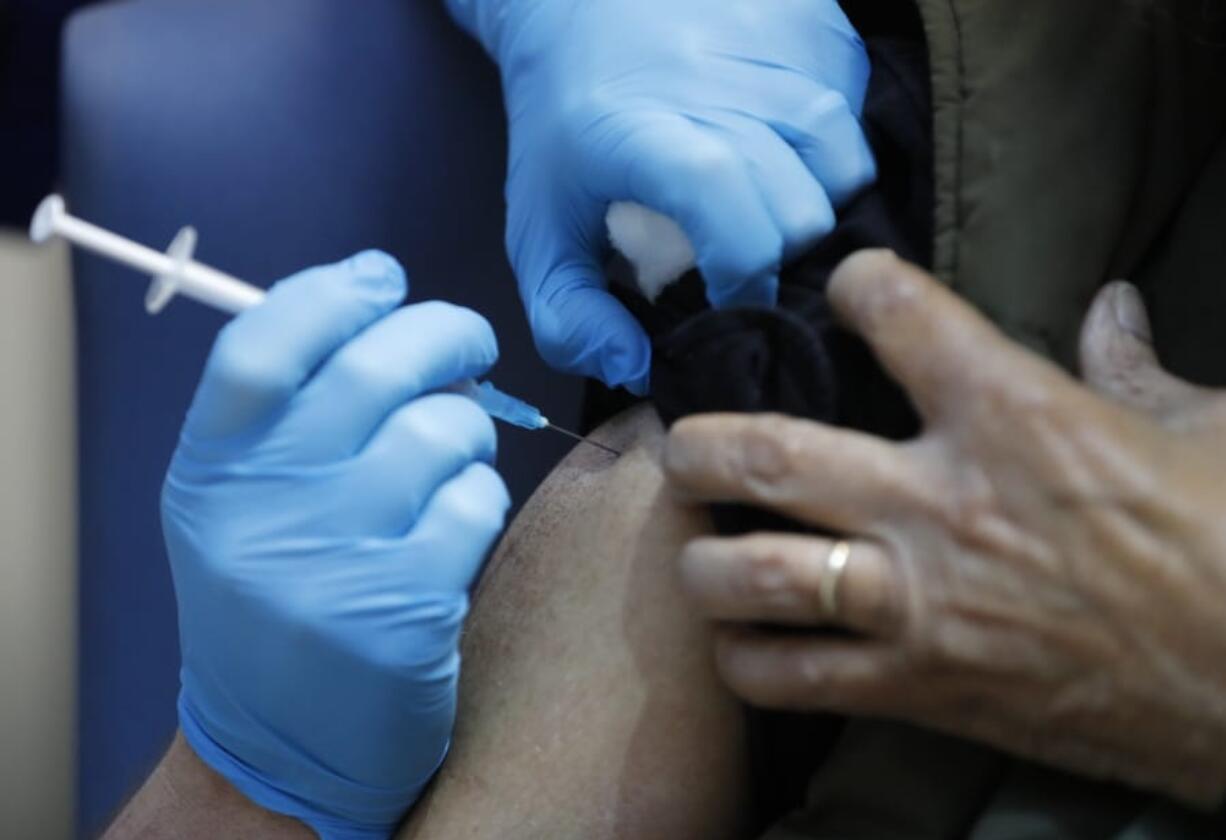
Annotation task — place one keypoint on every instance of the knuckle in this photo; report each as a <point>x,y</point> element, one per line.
<point>249,370</point>
<point>449,329</point>
<point>819,112</point>
<point>480,435</point>
<point>812,674</point>
<point>757,254</point>
<point>854,177</point>
<point>971,508</point>
<point>485,511</point>
<point>806,222</point>
<point>951,645</point>
<point>1034,408</point>
<point>771,450</point>
<point>767,573</point>
<point>417,427</point>
<point>445,425</point>
<point>365,370</point>
<point>710,162</point>
<point>880,289</point>
<point>889,295</point>
<point>1030,400</point>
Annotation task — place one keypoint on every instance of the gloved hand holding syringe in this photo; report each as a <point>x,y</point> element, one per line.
<point>327,512</point>
<point>177,273</point>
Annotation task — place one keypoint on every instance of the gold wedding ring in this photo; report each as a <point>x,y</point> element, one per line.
<point>836,565</point>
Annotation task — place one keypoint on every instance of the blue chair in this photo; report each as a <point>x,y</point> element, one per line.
<point>289,132</point>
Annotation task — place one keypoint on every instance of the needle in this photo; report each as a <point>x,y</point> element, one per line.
<point>583,439</point>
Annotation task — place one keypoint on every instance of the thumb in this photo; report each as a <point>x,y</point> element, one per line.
<point>1118,358</point>
<point>580,328</point>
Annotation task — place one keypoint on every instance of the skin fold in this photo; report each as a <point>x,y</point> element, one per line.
<point>1042,570</point>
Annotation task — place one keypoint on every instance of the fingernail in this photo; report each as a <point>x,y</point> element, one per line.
<point>1129,308</point>
<point>380,272</point>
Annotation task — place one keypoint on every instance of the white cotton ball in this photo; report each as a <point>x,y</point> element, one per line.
<point>651,242</point>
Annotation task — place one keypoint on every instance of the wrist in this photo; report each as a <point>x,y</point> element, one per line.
<point>185,798</point>
<point>334,807</point>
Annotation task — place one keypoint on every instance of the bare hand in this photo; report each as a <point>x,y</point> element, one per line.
<point>1043,570</point>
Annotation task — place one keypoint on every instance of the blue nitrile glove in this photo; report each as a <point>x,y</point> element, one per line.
<point>738,119</point>
<point>325,515</point>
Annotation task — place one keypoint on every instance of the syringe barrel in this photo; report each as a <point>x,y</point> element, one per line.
<point>194,280</point>
<point>501,406</point>
<point>217,289</point>
<point>113,246</point>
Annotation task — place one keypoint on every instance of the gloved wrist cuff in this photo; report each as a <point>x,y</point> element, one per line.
<point>269,796</point>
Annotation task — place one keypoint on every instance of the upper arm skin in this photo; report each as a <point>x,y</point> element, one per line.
<point>589,706</point>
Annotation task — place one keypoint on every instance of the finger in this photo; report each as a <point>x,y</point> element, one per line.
<point>457,529</point>
<point>1118,358</point>
<point>839,479</point>
<point>787,580</point>
<point>667,163</point>
<point>936,345</point>
<point>795,199</point>
<point>808,673</point>
<point>580,328</point>
<point>263,356</point>
<point>419,448</point>
<point>830,140</point>
<point>413,351</point>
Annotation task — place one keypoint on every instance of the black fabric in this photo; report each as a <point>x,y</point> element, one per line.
<point>885,18</point>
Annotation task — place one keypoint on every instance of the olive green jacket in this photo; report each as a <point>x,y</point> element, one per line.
<point>1077,142</point>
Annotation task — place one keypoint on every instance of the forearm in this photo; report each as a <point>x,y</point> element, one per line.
<point>184,799</point>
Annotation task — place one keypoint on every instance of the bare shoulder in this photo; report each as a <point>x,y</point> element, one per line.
<point>589,707</point>
<point>637,433</point>
<point>593,502</point>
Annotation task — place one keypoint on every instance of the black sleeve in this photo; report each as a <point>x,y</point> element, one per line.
<point>886,18</point>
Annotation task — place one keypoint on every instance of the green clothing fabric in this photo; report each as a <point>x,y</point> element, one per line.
<point>1069,135</point>
<point>1077,141</point>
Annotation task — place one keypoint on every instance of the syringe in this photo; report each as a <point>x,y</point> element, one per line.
<point>177,273</point>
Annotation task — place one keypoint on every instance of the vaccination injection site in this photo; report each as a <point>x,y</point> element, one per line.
<point>612,419</point>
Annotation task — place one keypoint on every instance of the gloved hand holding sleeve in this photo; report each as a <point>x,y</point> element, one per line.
<point>325,514</point>
<point>737,119</point>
